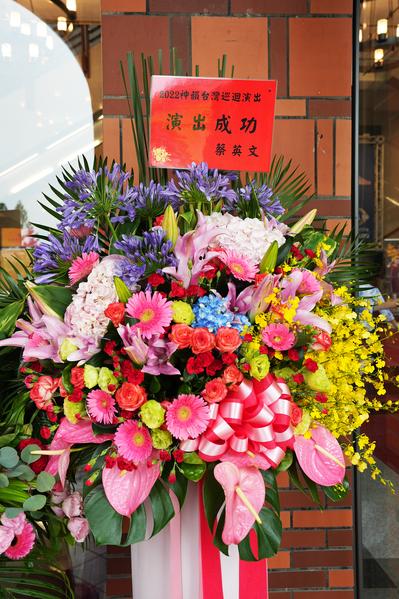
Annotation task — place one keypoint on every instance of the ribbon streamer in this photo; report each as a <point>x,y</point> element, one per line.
<point>255,418</point>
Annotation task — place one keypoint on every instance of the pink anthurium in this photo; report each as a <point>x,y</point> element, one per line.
<point>67,435</point>
<point>127,490</point>
<point>321,457</point>
<point>244,489</point>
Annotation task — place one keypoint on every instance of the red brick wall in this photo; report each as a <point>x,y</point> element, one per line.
<point>305,45</point>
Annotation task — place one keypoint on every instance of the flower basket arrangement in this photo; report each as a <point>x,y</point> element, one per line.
<point>196,332</point>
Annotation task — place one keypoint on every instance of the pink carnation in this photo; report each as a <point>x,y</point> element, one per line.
<point>133,441</point>
<point>154,313</point>
<point>101,406</point>
<point>81,267</point>
<point>278,336</point>
<point>187,417</point>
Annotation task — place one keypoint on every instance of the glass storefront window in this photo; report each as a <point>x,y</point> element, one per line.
<point>378,221</point>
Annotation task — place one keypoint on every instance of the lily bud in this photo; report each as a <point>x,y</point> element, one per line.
<point>303,222</point>
<point>122,290</point>
<point>169,225</point>
<point>269,260</point>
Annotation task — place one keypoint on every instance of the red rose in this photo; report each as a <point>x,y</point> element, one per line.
<point>45,432</point>
<point>193,367</point>
<point>227,339</point>
<point>131,373</point>
<point>182,335</point>
<point>130,396</point>
<point>116,313</point>
<point>310,365</point>
<point>298,378</point>
<point>195,291</point>
<point>177,290</point>
<point>322,342</point>
<point>202,341</point>
<point>215,390</point>
<point>296,414</point>
<point>212,369</point>
<point>155,279</point>
<point>321,397</point>
<point>293,355</point>
<point>43,390</point>
<point>77,377</point>
<point>229,358</point>
<point>204,360</point>
<point>76,396</point>
<point>310,253</point>
<point>232,375</point>
<point>41,463</point>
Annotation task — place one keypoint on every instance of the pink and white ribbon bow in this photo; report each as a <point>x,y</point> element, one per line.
<point>255,419</point>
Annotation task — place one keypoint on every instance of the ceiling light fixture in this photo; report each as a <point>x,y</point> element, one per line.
<point>382,29</point>
<point>15,19</point>
<point>378,57</point>
<point>25,29</point>
<point>62,24</point>
<point>71,5</point>
<point>6,50</point>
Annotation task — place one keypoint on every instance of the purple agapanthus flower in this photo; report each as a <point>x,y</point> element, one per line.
<point>209,183</point>
<point>264,196</point>
<point>95,194</point>
<point>150,201</point>
<point>54,256</point>
<point>144,255</point>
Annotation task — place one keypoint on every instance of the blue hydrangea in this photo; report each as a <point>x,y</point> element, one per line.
<point>240,321</point>
<point>212,312</point>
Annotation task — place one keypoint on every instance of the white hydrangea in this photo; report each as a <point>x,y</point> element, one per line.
<point>249,237</point>
<point>85,314</point>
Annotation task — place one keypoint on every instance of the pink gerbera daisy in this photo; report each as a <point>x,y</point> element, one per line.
<point>82,266</point>
<point>187,417</point>
<point>153,312</point>
<point>278,336</point>
<point>101,406</point>
<point>133,441</point>
<point>241,268</point>
<point>23,536</point>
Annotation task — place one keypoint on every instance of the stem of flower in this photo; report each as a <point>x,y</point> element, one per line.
<point>248,504</point>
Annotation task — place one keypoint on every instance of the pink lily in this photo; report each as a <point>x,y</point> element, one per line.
<point>192,253</point>
<point>135,347</point>
<point>159,353</point>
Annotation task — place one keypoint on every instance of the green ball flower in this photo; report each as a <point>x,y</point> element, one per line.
<point>106,378</point>
<point>318,381</point>
<point>90,376</point>
<point>182,313</point>
<point>67,348</point>
<point>161,439</point>
<point>259,367</point>
<point>152,414</point>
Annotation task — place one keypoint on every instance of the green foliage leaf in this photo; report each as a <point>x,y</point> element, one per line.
<point>23,472</point>
<point>213,497</point>
<point>13,512</point>
<point>45,482</point>
<point>179,487</point>
<point>66,378</point>
<point>4,482</point>
<point>6,439</point>
<point>8,317</point>
<point>268,533</point>
<point>34,503</point>
<point>162,507</point>
<point>53,298</point>
<point>8,457</point>
<point>337,492</point>
<point>105,522</point>
<point>285,462</point>
<point>27,456</point>
<point>192,466</point>
<point>137,529</point>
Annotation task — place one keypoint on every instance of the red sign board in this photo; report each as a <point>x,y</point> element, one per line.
<point>227,123</point>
